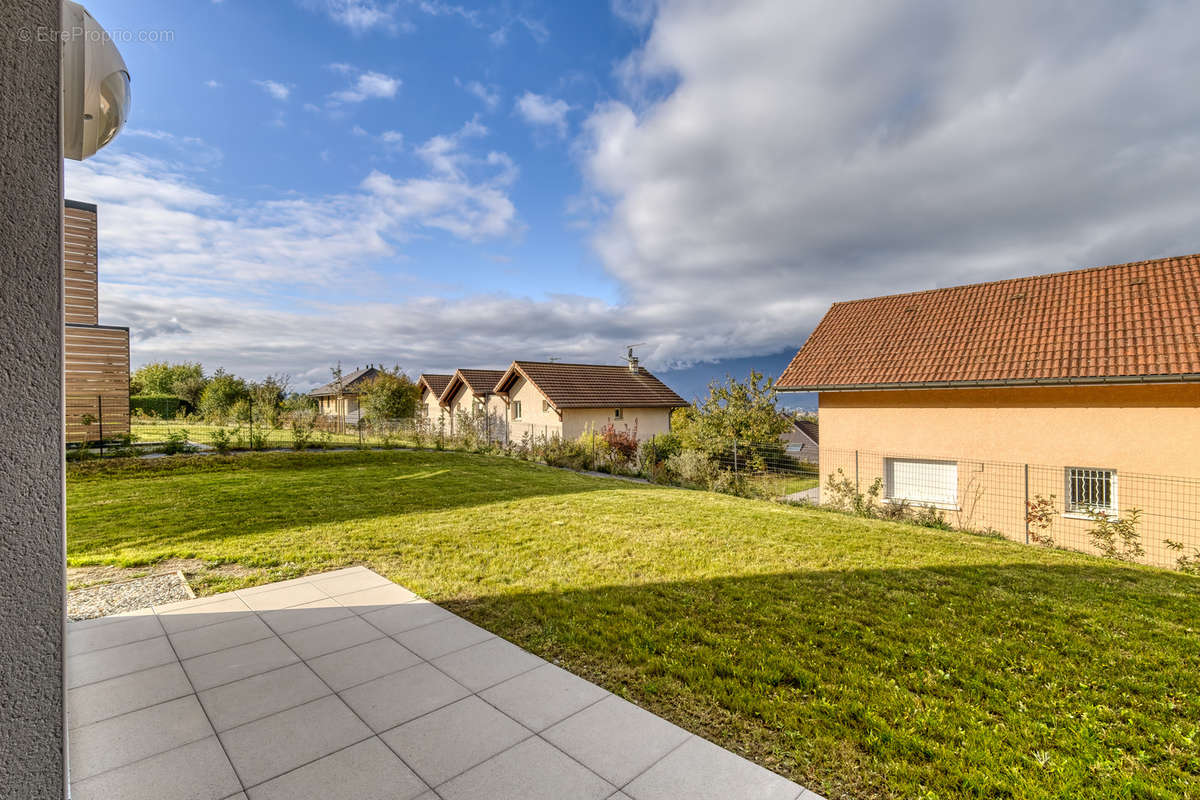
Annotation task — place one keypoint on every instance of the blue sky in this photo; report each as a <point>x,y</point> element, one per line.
<point>437,185</point>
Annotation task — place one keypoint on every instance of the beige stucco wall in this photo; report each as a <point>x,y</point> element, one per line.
<point>646,421</point>
<point>1145,433</point>
<point>463,401</point>
<point>432,410</point>
<point>536,419</point>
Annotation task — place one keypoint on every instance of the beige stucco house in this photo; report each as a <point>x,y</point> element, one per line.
<point>565,400</point>
<point>430,387</point>
<point>470,395</point>
<point>339,399</point>
<point>1081,385</point>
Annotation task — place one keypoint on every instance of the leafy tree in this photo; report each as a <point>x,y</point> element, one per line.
<point>389,395</point>
<point>268,396</point>
<point>161,377</point>
<point>744,412</point>
<point>222,393</point>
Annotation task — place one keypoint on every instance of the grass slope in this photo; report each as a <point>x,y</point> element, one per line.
<point>861,658</point>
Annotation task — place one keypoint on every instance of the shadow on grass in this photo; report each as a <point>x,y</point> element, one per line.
<point>1013,681</point>
<point>172,502</point>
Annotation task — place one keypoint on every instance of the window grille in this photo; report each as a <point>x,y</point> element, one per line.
<point>1089,490</point>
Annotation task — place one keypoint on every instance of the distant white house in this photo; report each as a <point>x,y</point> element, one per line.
<point>339,399</point>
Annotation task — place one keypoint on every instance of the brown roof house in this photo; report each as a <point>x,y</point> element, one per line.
<point>429,407</point>
<point>565,400</point>
<point>339,398</point>
<point>1081,385</point>
<point>470,398</point>
<point>96,357</point>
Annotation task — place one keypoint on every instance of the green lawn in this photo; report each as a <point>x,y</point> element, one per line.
<point>861,658</point>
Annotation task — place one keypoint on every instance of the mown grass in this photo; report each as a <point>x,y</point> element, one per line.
<point>861,658</point>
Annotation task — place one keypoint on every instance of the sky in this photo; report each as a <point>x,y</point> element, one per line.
<point>437,185</point>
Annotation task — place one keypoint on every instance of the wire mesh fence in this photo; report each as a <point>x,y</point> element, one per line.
<point>1150,519</point>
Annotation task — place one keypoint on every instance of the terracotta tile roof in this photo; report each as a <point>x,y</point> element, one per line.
<point>592,385</point>
<point>1139,321</point>
<point>351,383</point>
<point>434,382</point>
<point>480,381</point>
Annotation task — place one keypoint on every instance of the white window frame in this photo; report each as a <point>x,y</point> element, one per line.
<point>1075,476</point>
<point>943,502</point>
<point>516,406</point>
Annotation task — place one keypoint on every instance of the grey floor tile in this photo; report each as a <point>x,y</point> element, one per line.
<point>269,747</point>
<point>307,615</point>
<point>225,666</point>
<point>336,635</point>
<point>616,739</point>
<point>117,632</point>
<point>533,770</point>
<point>443,637</point>
<point>285,597</point>
<point>200,612</point>
<point>365,771</point>
<point>196,771</point>
<point>260,696</point>
<point>100,665</point>
<point>362,663</point>
<point>453,739</point>
<point>376,597</point>
<point>131,737</point>
<point>394,699</point>
<point>485,664</point>
<point>809,794</point>
<point>334,584</point>
<point>700,770</point>
<point>274,586</point>
<point>620,796</point>
<point>406,616</point>
<point>99,701</point>
<point>198,641</point>
<point>543,696</point>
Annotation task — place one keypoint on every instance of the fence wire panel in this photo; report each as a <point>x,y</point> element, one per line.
<point>95,418</point>
<point>1077,508</point>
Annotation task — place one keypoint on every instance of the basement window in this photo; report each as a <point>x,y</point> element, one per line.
<point>1091,491</point>
<point>922,481</point>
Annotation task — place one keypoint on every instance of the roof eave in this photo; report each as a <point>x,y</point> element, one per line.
<point>1098,380</point>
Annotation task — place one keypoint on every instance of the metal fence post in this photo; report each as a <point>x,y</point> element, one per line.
<point>1026,504</point>
<point>100,419</point>
<point>856,487</point>
<point>735,456</point>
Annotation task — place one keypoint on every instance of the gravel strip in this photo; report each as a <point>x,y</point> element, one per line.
<point>130,595</point>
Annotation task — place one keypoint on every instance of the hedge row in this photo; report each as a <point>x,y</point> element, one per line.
<point>163,406</point>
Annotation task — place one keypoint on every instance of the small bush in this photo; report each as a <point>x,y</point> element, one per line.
<point>1039,515</point>
<point>843,493</point>
<point>177,442</point>
<point>302,425</point>
<point>1117,537</point>
<point>659,448</point>
<point>222,440</point>
<point>692,468</point>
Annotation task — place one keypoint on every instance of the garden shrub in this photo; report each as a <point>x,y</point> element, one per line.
<point>692,468</point>
<point>176,442</point>
<point>1117,537</point>
<point>222,439</point>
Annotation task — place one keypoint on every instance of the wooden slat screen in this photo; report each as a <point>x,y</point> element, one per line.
<point>97,377</point>
<point>79,266</point>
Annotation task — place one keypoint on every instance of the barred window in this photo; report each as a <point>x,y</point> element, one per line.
<point>1090,490</point>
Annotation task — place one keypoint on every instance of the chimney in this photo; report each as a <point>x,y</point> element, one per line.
<point>633,362</point>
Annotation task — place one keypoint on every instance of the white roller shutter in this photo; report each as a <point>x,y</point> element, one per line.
<point>922,481</point>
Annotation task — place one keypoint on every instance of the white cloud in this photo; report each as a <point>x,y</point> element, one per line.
<point>212,84</point>
<point>276,89</point>
<point>368,85</point>
<point>770,158</point>
<point>535,28</point>
<point>488,95</point>
<point>361,16</point>
<point>393,139</point>
<point>544,111</point>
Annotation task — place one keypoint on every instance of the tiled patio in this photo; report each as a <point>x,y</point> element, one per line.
<point>345,685</point>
